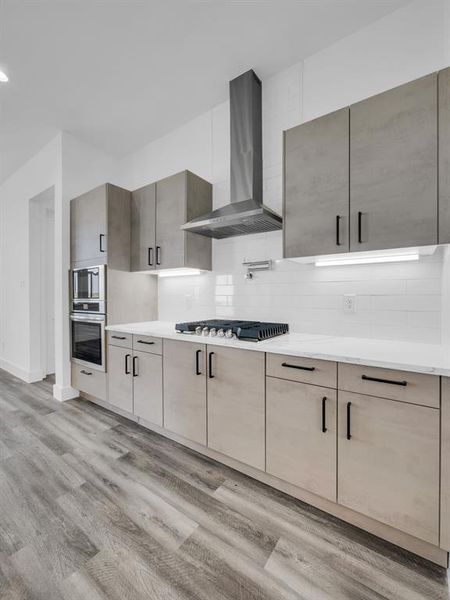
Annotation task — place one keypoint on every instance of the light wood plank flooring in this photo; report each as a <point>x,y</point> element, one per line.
<point>93,507</point>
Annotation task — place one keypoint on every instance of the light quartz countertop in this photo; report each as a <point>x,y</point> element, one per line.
<point>406,356</point>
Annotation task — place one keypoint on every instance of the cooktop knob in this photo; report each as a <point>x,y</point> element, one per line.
<point>213,331</point>
<point>205,330</point>
<point>198,330</point>
<point>221,333</point>
<point>229,333</point>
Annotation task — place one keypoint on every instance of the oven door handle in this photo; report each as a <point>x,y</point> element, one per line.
<point>84,318</point>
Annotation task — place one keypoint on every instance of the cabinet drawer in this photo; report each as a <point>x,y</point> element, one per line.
<point>117,338</point>
<point>89,381</point>
<point>305,370</point>
<point>147,343</point>
<point>416,388</point>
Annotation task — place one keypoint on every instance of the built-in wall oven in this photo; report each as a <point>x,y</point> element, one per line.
<point>88,317</point>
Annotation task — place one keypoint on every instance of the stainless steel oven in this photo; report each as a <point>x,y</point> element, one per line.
<point>88,340</point>
<point>89,289</point>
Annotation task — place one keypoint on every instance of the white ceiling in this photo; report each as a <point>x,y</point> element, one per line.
<point>120,73</point>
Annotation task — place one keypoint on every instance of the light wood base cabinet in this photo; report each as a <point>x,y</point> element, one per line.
<point>147,386</point>
<point>236,412</point>
<point>301,435</point>
<point>120,379</point>
<point>185,389</point>
<point>388,469</point>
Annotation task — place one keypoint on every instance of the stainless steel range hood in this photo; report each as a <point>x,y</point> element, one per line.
<point>246,213</point>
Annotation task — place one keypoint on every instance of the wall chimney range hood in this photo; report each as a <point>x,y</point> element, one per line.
<point>246,213</point>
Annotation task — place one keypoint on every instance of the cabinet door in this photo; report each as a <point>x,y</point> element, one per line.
<point>147,384</point>
<point>444,156</point>
<point>389,468</point>
<point>170,216</point>
<point>301,435</point>
<point>143,214</point>
<point>236,411</point>
<point>316,171</point>
<point>393,168</point>
<point>120,379</point>
<point>88,223</point>
<point>185,389</point>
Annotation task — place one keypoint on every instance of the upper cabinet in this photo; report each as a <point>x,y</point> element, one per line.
<point>444,156</point>
<point>100,228</point>
<point>158,212</point>
<point>316,202</point>
<point>393,168</point>
<point>366,177</point>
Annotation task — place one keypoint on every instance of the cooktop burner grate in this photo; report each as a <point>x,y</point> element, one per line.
<point>254,331</point>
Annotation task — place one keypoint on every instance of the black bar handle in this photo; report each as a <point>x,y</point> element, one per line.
<point>338,230</point>
<point>210,373</point>
<point>144,342</point>
<point>118,337</point>
<point>150,257</point>
<point>360,227</point>
<point>158,255</point>
<point>298,367</point>
<point>135,372</point>
<point>85,372</point>
<point>349,435</point>
<point>389,381</point>
<point>324,414</point>
<point>127,368</point>
<point>197,362</point>
<point>101,238</point>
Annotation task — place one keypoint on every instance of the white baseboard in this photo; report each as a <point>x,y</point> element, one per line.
<point>64,393</point>
<point>18,371</point>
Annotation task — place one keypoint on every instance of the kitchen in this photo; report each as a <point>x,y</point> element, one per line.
<point>332,386</point>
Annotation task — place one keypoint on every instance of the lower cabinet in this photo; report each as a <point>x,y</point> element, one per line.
<point>135,382</point>
<point>388,462</point>
<point>301,435</point>
<point>236,406</point>
<point>185,389</point>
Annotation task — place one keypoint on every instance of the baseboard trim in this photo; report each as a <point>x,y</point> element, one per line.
<point>18,371</point>
<point>64,393</point>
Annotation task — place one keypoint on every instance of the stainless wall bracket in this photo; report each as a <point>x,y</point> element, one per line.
<point>256,265</point>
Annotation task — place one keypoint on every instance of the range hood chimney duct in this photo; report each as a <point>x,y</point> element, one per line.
<point>246,213</point>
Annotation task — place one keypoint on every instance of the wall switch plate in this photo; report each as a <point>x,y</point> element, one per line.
<point>349,304</point>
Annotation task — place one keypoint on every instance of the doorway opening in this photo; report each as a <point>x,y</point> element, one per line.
<point>42,284</point>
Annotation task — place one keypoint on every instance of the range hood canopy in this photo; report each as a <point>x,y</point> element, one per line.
<point>246,213</point>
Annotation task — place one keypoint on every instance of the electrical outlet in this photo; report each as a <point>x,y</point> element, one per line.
<point>349,304</point>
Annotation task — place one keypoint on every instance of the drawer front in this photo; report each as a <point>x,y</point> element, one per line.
<point>89,381</point>
<point>416,388</point>
<point>304,370</point>
<point>117,338</point>
<point>147,343</point>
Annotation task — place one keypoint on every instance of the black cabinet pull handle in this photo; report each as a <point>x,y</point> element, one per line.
<point>349,435</point>
<point>127,367</point>
<point>389,381</point>
<point>158,255</point>
<point>197,362</point>
<point>210,374</point>
<point>85,372</point>
<point>101,238</point>
<point>144,342</point>
<point>324,414</point>
<point>118,337</point>
<point>360,228</point>
<point>150,257</point>
<point>135,363</point>
<point>298,367</point>
<point>338,230</point>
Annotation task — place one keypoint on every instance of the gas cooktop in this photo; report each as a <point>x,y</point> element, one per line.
<point>251,331</point>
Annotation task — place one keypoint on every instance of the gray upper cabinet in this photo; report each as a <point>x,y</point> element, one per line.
<point>393,168</point>
<point>143,228</point>
<point>100,228</point>
<point>316,194</point>
<point>444,156</point>
<point>180,198</point>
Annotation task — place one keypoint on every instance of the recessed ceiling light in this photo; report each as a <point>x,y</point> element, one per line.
<point>3,77</point>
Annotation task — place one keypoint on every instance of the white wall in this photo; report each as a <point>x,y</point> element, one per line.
<point>35,176</point>
<point>393,301</point>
